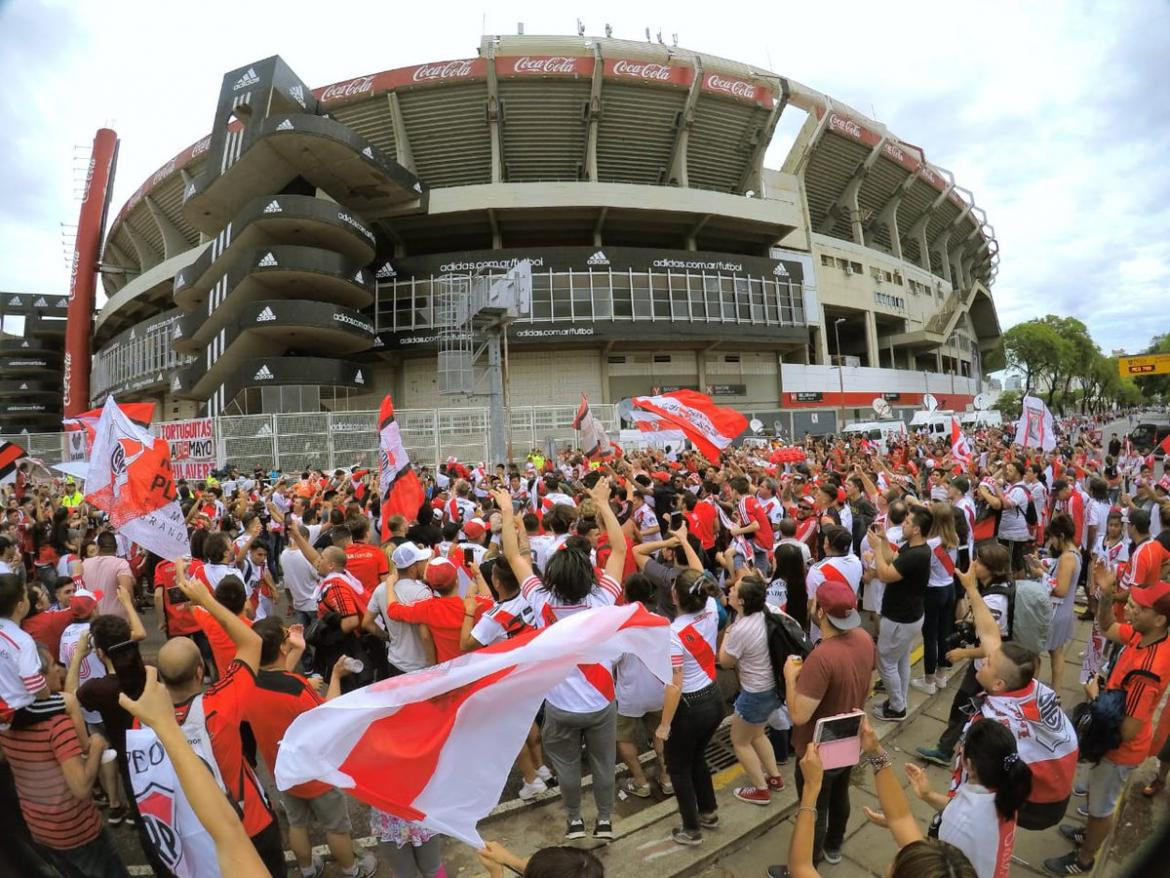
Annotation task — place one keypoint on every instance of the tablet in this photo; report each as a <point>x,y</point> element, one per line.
<point>838,739</point>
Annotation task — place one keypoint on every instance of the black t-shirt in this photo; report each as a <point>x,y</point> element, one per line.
<point>904,599</point>
<point>101,696</point>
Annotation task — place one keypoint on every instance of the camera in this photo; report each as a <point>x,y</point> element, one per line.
<point>962,636</point>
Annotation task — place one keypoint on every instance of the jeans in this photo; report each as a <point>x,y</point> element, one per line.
<point>960,711</point>
<point>832,810</point>
<point>695,721</point>
<point>95,859</point>
<point>561,735</point>
<point>409,861</point>
<point>895,640</point>
<point>937,624</point>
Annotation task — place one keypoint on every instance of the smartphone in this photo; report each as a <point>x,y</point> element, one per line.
<point>838,739</point>
<point>676,520</point>
<point>175,595</point>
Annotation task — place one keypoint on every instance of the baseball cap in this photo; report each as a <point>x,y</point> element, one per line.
<point>1164,483</point>
<point>839,603</point>
<point>1156,597</point>
<point>83,603</point>
<point>440,574</point>
<point>408,554</point>
<point>473,529</point>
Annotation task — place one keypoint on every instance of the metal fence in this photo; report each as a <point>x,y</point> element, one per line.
<point>326,440</point>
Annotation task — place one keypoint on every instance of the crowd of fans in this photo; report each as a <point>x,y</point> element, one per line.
<point>794,579</point>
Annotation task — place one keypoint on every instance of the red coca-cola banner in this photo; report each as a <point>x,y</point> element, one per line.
<point>852,129</point>
<point>902,154</point>
<point>729,86</point>
<point>544,65</point>
<point>469,69</point>
<point>650,72</point>
<point>934,178</point>
<point>83,277</point>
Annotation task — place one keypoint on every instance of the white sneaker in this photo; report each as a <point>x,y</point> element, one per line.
<point>924,684</point>
<point>942,676</point>
<point>530,791</point>
<point>544,773</point>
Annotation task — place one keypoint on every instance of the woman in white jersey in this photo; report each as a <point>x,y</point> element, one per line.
<point>1060,573</point>
<point>692,709</point>
<point>939,619</point>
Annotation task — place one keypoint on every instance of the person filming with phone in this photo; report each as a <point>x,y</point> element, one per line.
<point>833,680</point>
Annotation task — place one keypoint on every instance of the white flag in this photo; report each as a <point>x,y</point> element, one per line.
<point>1035,429</point>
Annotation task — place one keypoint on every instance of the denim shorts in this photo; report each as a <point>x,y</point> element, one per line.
<point>754,708</point>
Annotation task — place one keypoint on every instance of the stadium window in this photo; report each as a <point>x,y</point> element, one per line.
<point>842,263</point>
<point>662,358</point>
<point>898,278</point>
<point>617,360</point>
<point>856,266</point>
<point>731,358</point>
<point>875,272</point>
<point>826,260</point>
<point>889,277</point>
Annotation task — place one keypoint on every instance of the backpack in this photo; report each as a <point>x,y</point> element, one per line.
<point>1098,722</point>
<point>785,637</point>
<point>1029,613</point>
<point>1030,510</point>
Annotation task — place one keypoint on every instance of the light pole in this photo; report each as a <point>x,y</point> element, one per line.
<point>840,372</point>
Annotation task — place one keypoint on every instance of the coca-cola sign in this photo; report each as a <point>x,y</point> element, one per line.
<point>649,71</point>
<point>542,65</point>
<point>443,70</point>
<point>843,125</point>
<point>353,88</point>
<point>736,88</point>
<point>896,152</point>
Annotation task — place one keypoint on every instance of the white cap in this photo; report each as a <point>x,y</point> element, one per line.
<point>409,553</point>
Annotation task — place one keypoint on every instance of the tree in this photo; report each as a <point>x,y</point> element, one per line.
<point>1076,358</point>
<point>1036,349</point>
<point>1008,404</point>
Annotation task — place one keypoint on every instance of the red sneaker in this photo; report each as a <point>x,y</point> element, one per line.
<point>754,795</point>
<point>775,782</point>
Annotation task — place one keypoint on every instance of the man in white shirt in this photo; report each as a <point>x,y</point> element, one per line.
<point>24,693</point>
<point>408,647</point>
<point>300,578</point>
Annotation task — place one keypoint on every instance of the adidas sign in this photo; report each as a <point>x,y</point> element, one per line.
<point>286,125</point>
<point>597,258</point>
<point>358,379</point>
<point>378,341</point>
<point>249,78</point>
<point>298,95</point>
<point>268,261</point>
<point>368,153</point>
<point>265,315</point>
<point>24,387</point>
<point>176,384</point>
<point>780,270</point>
<point>40,303</point>
<point>265,430</point>
<point>178,333</point>
<point>417,187</point>
<point>263,374</point>
<point>359,277</point>
<point>189,191</point>
<point>180,280</point>
<point>24,344</point>
<point>15,300</point>
<point>272,207</point>
<point>387,270</point>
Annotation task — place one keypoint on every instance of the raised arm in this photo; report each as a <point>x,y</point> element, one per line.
<point>311,554</point>
<point>521,564</point>
<point>246,640</point>
<point>895,814</point>
<point>680,535</point>
<point>986,628</point>
<point>616,563</point>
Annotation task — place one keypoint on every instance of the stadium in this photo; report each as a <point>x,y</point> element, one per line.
<point>291,261</point>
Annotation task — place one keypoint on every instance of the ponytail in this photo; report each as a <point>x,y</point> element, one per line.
<point>692,588</point>
<point>992,751</point>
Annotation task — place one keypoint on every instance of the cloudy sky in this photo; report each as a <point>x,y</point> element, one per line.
<point>1056,116</point>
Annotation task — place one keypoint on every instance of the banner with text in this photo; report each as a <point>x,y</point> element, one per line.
<point>192,447</point>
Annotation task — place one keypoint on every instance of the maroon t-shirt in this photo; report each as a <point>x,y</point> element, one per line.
<point>839,672</point>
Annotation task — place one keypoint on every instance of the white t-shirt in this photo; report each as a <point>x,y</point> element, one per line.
<point>777,594</point>
<point>504,620</point>
<point>746,641</point>
<point>405,650</point>
<point>1013,522</point>
<point>997,605</point>
<point>692,646</point>
<point>20,666</point>
<point>638,690</point>
<point>91,666</point>
<point>966,823</point>
<point>300,578</point>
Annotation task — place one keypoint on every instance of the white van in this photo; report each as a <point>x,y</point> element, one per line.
<point>936,423</point>
<point>985,418</point>
<point>876,431</point>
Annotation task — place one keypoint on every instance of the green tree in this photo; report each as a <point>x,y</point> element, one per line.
<point>1008,404</point>
<point>1075,361</point>
<point>1035,349</point>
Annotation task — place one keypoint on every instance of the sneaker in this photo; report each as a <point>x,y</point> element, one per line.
<point>544,773</point>
<point>632,788</point>
<point>1067,865</point>
<point>686,836</point>
<point>1080,792</point>
<point>1083,811</point>
<point>935,756</point>
<point>666,786</point>
<point>530,791</point>
<point>367,865</point>
<point>315,870</point>
<point>116,816</point>
<point>603,829</point>
<point>777,872</point>
<point>832,857</point>
<point>886,713</point>
<point>708,821</point>
<point>575,829</point>
<point>754,795</point>
<point>879,686</point>
<point>775,782</point>
<point>942,675</point>
<point>924,684</point>
<point>1075,834</point>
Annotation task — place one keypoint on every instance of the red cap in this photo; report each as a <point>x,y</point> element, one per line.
<point>1156,597</point>
<point>839,603</point>
<point>441,574</point>
<point>83,603</point>
<point>660,476</point>
<point>473,529</point>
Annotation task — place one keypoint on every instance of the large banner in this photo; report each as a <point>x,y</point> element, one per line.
<point>192,447</point>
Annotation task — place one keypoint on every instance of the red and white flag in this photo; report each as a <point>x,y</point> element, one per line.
<point>594,441</point>
<point>130,480</point>
<point>84,425</point>
<point>960,446</point>
<point>401,491</point>
<point>1164,444</point>
<point>1035,429</point>
<point>710,427</point>
<point>414,745</point>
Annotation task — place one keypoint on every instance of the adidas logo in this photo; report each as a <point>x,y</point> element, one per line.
<point>378,341</point>
<point>417,188</point>
<point>40,303</point>
<point>265,430</point>
<point>272,207</point>
<point>176,384</point>
<point>387,270</point>
<point>286,125</point>
<point>159,379</point>
<point>358,379</point>
<point>24,387</point>
<point>180,280</point>
<point>178,333</point>
<point>368,153</point>
<point>24,344</point>
<point>265,315</point>
<point>298,95</point>
<point>189,191</point>
<point>780,270</point>
<point>597,258</point>
<point>15,300</point>
<point>359,277</point>
<point>263,374</point>
<point>249,78</point>
<point>268,261</point>
<point>133,334</point>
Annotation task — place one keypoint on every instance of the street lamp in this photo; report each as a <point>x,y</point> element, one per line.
<point>840,372</point>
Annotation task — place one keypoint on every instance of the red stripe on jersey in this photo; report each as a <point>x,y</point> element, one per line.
<point>696,644</point>
<point>599,677</point>
<point>944,558</point>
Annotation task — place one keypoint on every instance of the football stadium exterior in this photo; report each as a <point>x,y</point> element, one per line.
<point>292,259</point>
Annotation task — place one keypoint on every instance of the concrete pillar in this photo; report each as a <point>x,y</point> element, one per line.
<point>603,368</point>
<point>871,341</point>
<point>821,345</point>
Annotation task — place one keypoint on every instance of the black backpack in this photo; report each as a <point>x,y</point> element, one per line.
<point>1098,722</point>
<point>785,637</point>
<point>1030,510</point>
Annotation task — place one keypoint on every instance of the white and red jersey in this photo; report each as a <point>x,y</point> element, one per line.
<point>1115,555</point>
<point>773,508</point>
<point>459,509</point>
<point>506,619</point>
<point>1074,508</point>
<point>751,510</point>
<point>646,521</point>
<point>692,646</point>
<point>966,822</point>
<point>590,687</point>
<point>838,568</point>
<point>91,667</point>
<point>967,506</point>
<point>556,498</point>
<point>1145,566</point>
<point>20,670</point>
<point>344,579</point>
<point>942,563</point>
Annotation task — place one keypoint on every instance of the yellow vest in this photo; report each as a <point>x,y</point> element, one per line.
<point>69,501</point>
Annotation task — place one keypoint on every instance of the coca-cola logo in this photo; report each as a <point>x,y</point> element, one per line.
<point>73,275</point>
<point>88,179</point>
<point>201,147</point>
<point>359,86</point>
<point>67,396</point>
<point>734,87</point>
<point>895,152</point>
<point>556,64</point>
<point>845,126</point>
<point>444,70</point>
<point>659,72</point>
<point>163,172</point>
